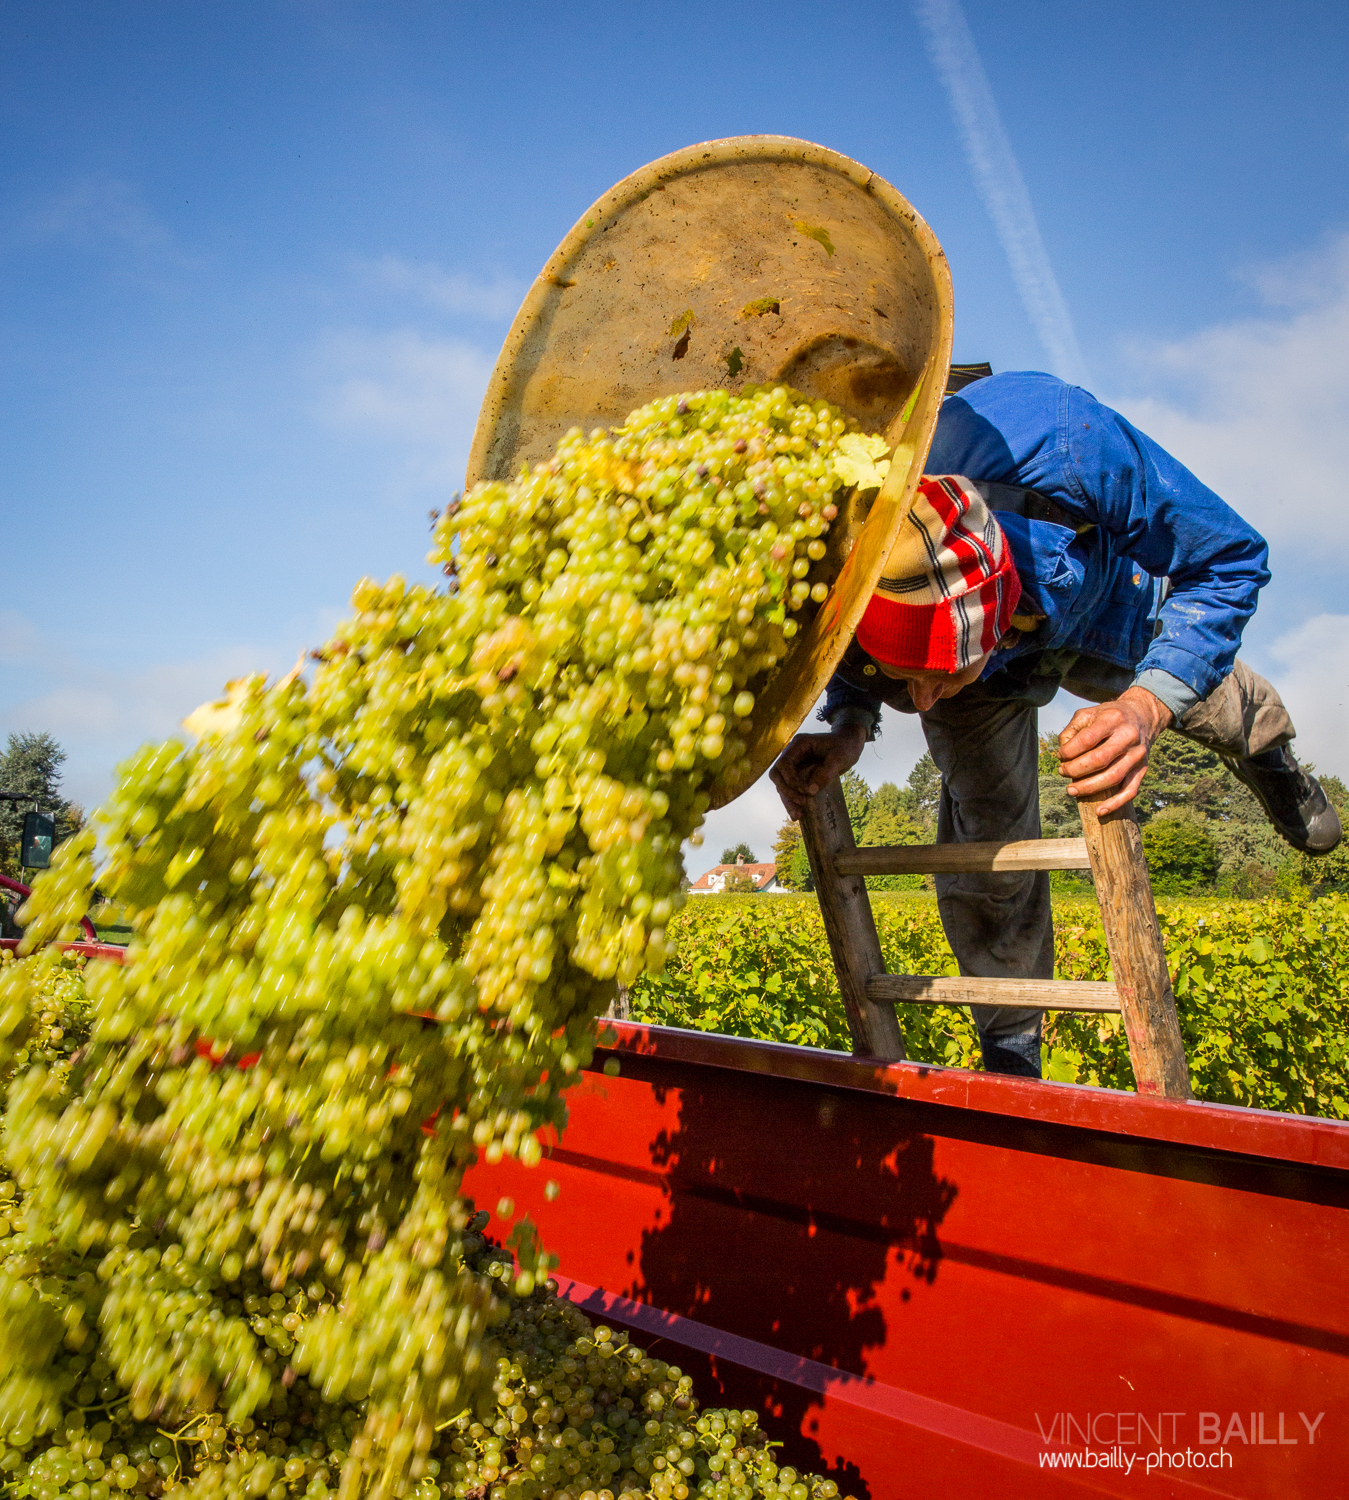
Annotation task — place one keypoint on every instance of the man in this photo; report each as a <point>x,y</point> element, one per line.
<point>1063,548</point>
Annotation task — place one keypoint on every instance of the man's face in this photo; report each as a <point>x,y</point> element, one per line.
<point>925,686</point>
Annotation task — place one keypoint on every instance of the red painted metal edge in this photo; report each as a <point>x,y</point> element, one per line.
<point>113,951</point>
<point>1215,1127</point>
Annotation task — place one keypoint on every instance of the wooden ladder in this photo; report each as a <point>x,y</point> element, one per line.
<point>1111,849</point>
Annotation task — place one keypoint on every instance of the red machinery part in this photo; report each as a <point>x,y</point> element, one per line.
<point>928,1279</point>
<point>19,888</point>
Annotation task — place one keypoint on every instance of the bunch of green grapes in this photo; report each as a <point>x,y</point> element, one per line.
<point>577,1411</point>
<point>396,894</point>
<point>581,1411</point>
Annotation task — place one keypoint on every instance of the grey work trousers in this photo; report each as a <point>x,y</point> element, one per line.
<point>986,747</point>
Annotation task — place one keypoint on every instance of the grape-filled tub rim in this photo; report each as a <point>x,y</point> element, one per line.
<point>680,278</point>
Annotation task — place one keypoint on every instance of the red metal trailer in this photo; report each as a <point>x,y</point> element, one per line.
<point>938,1283</point>
<point>943,1283</point>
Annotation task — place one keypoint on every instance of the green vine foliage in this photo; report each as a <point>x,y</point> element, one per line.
<point>1262,990</point>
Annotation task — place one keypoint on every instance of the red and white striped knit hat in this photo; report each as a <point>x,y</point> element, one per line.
<point>949,586</point>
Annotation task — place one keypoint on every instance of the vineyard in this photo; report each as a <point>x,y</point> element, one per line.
<point>1261,989</point>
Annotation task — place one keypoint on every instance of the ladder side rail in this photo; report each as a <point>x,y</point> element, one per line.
<point>1137,955</point>
<point>850,926</point>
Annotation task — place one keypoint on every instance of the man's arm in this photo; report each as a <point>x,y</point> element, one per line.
<point>1176,528</point>
<point>811,761</point>
<point>1032,429</point>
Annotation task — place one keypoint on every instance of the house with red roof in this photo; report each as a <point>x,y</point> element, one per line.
<point>764,878</point>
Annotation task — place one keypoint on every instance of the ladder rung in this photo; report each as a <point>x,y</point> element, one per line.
<point>1030,994</point>
<point>960,859</point>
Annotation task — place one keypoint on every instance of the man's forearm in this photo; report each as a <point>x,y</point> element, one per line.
<point>1159,715</point>
<point>845,703</point>
<point>852,732</point>
<point>855,716</point>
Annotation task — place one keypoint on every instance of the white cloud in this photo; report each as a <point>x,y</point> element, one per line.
<point>404,385</point>
<point>95,211</point>
<point>417,394</point>
<point>1259,408</point>
<point>1314,684</point>
<point>449,291</point>
<point>100,716</point>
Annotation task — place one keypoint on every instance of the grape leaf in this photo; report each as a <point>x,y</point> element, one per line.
<point>862,461</point>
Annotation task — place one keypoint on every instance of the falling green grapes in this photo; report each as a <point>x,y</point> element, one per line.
<point>241,1238</point>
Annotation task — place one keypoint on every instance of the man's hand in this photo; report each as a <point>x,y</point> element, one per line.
<point>1107,746</point>
<point>812,761</point>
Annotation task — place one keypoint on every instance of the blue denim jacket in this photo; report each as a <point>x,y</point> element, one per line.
<point>1145,518</point>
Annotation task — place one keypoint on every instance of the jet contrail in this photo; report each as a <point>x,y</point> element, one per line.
<point>999,180</point>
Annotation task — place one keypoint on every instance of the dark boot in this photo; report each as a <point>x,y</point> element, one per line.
<point>1294,801</point>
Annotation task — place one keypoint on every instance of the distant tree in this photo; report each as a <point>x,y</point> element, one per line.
<point>888,820</point>
<point>1321,874</point>
<point>1183,774</point>
<point>1049,755</point>
<point>925,784</point>
<point>31,764</point>
<point>890,823</point>
<point>737,852</point>
<point>1181,853</point>
<point>798,872</point>
<point>1059,817</point>
<point>785,845</point>
<point>1250,853</point>
<point>738,885</point>
<point>857,799</point>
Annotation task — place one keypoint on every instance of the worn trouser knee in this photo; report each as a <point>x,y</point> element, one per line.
<point>1241,717</point>
<point>998,925</point>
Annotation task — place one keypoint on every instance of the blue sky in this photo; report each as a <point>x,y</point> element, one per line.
<point>258,261</point>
